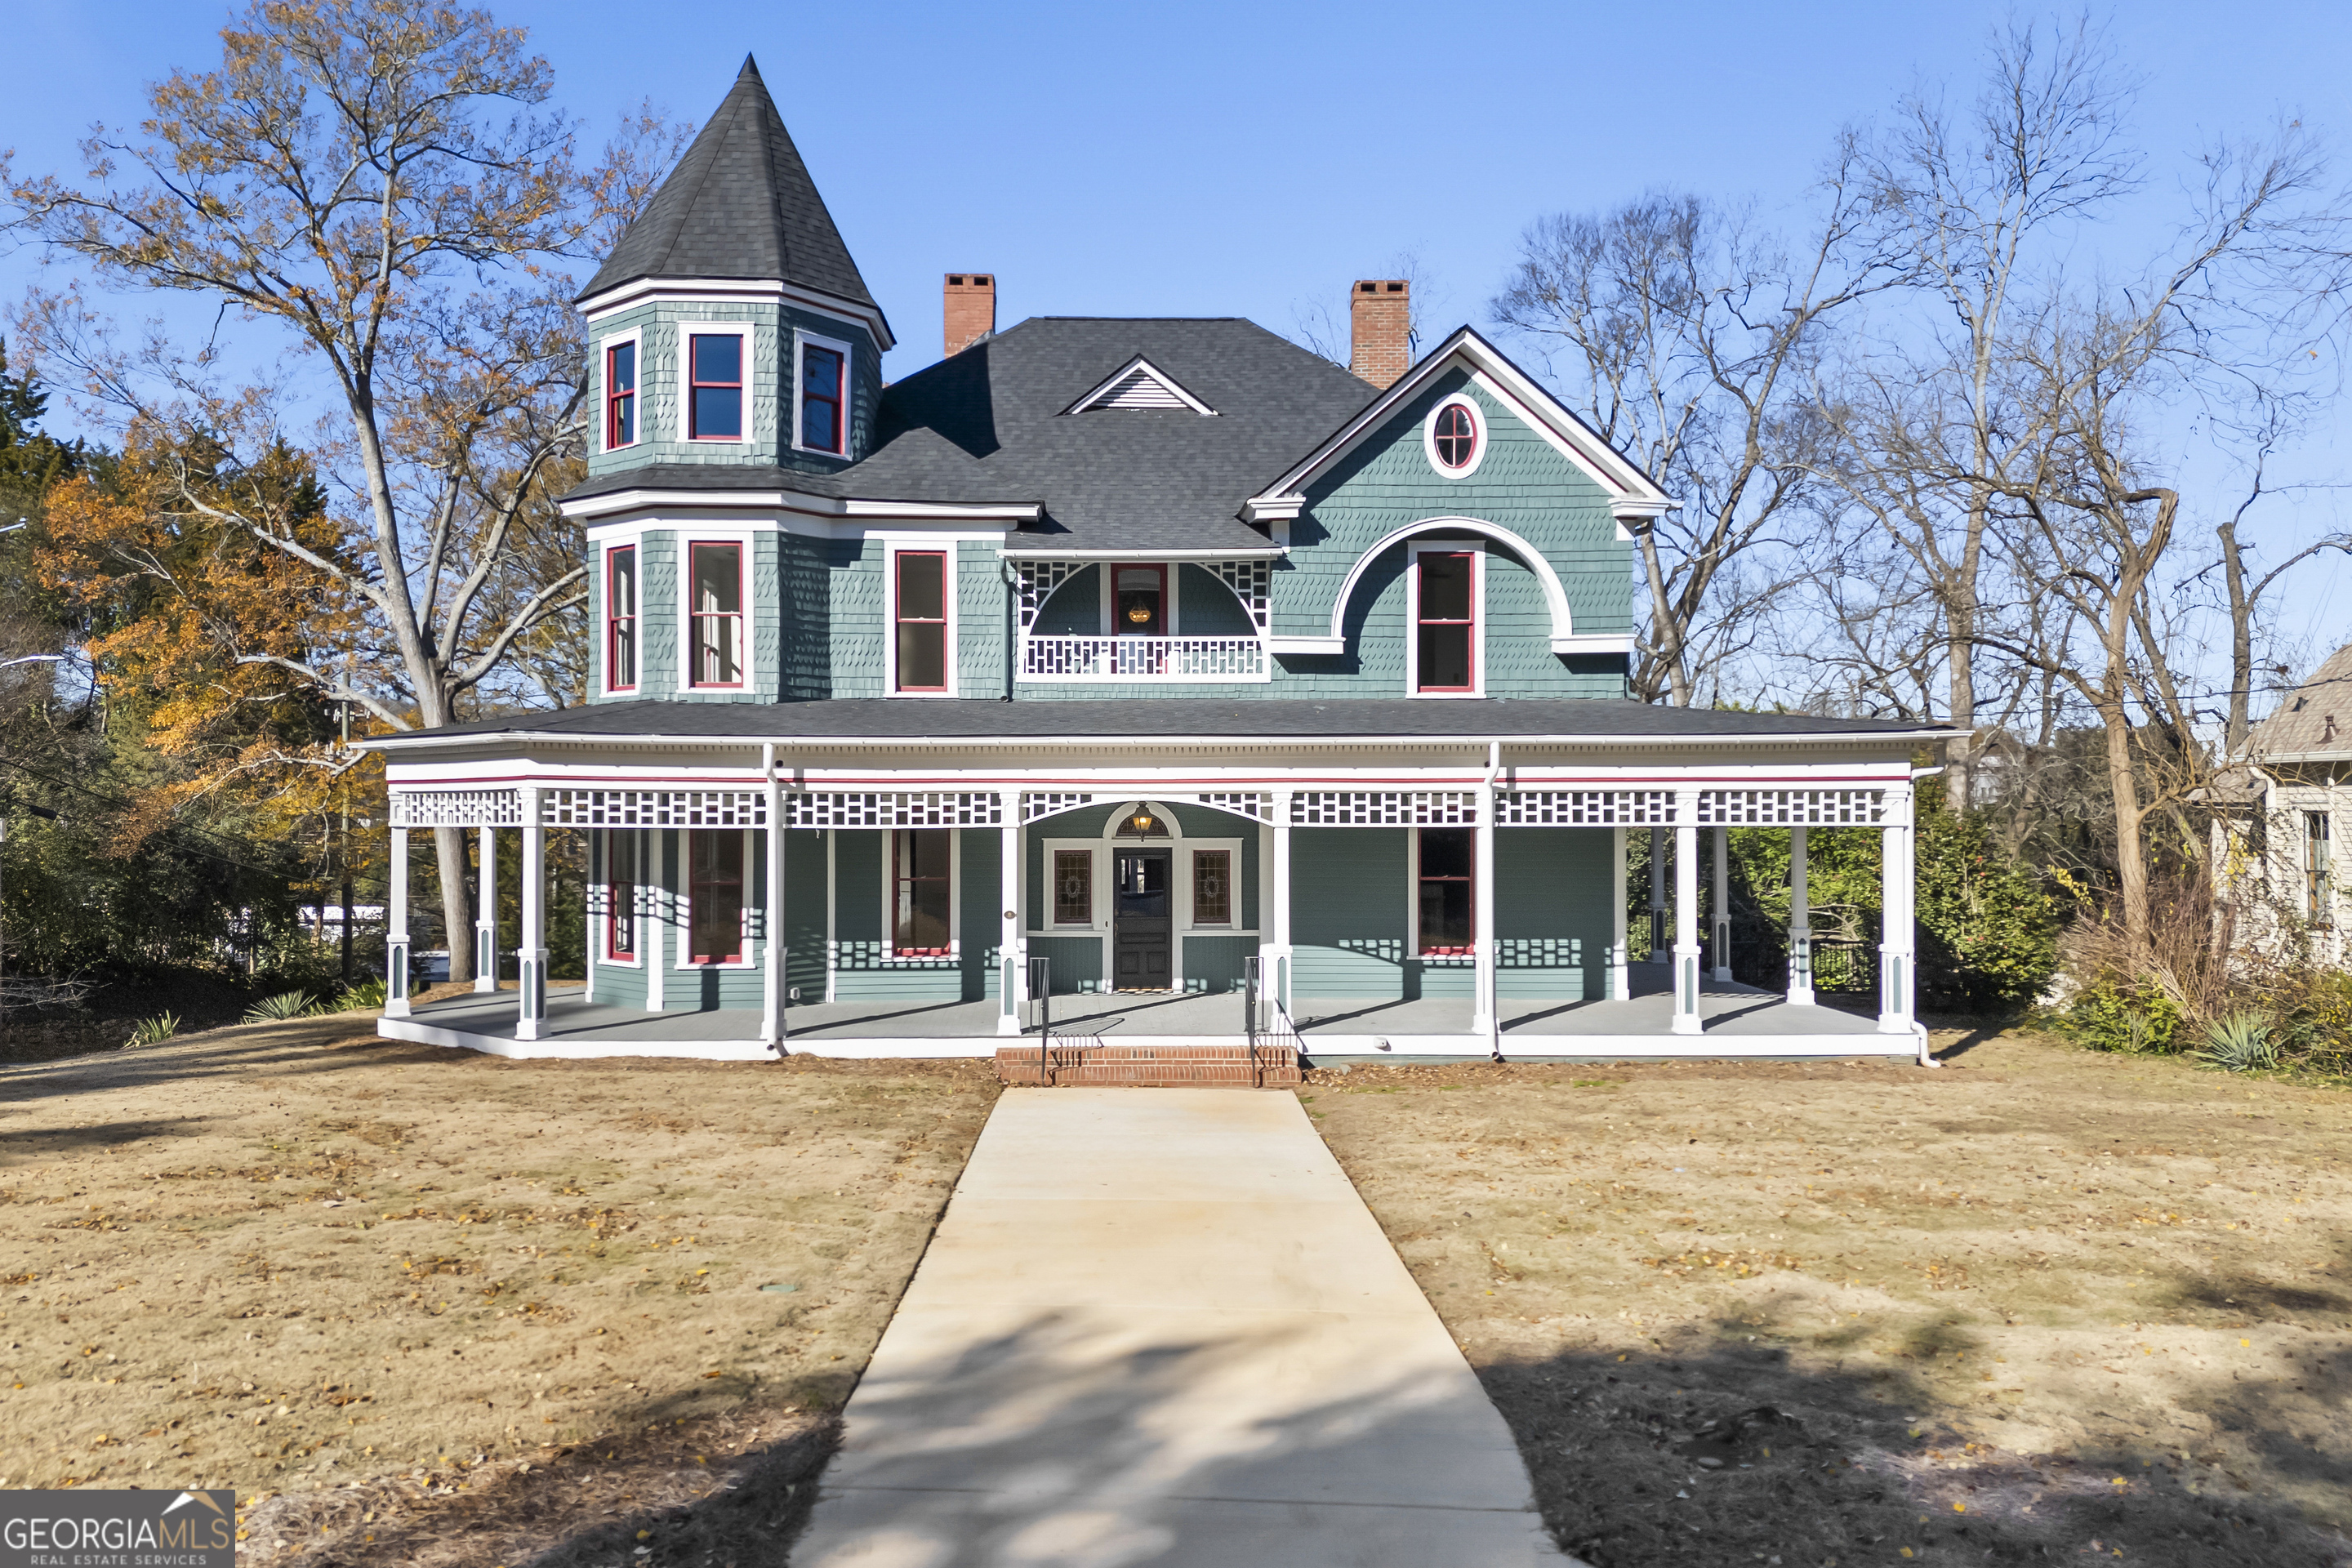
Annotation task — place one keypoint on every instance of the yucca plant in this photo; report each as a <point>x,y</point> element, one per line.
<point>153,1031</point>
<point>285,1004</point>
<point>2239,1041</point>
<point>367,995</point>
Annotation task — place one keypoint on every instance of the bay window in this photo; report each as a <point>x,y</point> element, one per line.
<point>621,619</point>
<point>715,894</point>
<point>620,395</point>
<point>922,883</point>
<point>1446,856</point>
<point>717,636</point>
<point>715,393</point>
<point>823,389</point>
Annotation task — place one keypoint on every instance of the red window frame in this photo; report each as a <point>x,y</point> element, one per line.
<point>903,622</point>
<point>704,625</point>
<point>904,883</point>
<point>695,385</point>
<point>620,396</point>
<point>830,403</point>
<point>621,847</point>
<point>1424,620</point>
<point>1118,623</point>
<point>1456,427</point>
<point>715,864</point>
<point>621,619</point>
<point>1466,879</point>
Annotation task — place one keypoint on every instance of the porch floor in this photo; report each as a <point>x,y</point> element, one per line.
<point>1727,1011</point>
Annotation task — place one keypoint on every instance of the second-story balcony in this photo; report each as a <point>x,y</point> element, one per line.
<point>1110,658</point>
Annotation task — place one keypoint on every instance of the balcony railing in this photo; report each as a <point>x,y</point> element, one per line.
<point>1143,659</point>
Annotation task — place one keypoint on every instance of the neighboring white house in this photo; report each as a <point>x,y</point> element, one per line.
<point>2290,804</point>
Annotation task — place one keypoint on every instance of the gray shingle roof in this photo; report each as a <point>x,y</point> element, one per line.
<point>987,426</point>
<point>2316,718</point>
<point>1149,718</point>
<point>739,204</point>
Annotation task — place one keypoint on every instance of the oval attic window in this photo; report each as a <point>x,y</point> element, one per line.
<point>1457,437</point>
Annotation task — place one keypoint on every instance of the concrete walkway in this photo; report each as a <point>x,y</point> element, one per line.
<point>1159,1327</point>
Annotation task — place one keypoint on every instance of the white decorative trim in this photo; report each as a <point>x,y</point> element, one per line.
<point>1585,807</point>
<point>1477,437</point>
<point>1165,660</point>
<point>1196,557</point>
<point>1252,581</point>
<point>848,353</point>
<point>724,290</point>
<point>1035,581</point>
<point>1112,391</point>
<point>654,808</point>
<point>456,808</point>
<point>1384,808</point>
<point>1597,642</point>
<point>1555,596</point>
<point>1036,806</point>
<point>894,808</point>
<point>1796,807</point>
<point>1320,646</point>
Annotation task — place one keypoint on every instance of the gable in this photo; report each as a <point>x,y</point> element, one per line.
<point>1139,384</point>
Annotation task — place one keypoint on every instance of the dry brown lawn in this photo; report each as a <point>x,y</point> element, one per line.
<point>2037,1304</point>
<point>420,1305</point>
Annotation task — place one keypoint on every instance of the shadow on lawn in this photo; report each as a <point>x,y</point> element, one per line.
<point>1816,1467</point>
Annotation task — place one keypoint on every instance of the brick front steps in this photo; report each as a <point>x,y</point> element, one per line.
<point>1149,1067</point>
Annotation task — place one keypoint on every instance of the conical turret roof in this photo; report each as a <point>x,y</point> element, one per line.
<point>739,204</point>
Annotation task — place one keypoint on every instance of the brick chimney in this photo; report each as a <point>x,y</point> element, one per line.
<point>970,310</point>
<point>1379,319</point>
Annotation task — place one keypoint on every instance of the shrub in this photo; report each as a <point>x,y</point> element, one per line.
<point>2136,1019</point>
<point>285,1004</point>
<point>2242,1042</point>
<point>153,1031</point>
<point>1987,923</point>
<point>367,996</point>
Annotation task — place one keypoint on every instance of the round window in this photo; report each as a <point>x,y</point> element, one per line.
<point>1457,436</point>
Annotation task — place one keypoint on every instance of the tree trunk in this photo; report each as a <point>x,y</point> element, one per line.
<point>2242,642</point>
<point>457,907</point>
<point>2131,867</point>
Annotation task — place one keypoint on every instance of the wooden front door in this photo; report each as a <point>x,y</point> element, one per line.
<point>1141,919</point>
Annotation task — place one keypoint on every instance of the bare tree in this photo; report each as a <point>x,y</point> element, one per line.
<point>1971,198</point>
<point>381,181</point>
<point>1686,335</point>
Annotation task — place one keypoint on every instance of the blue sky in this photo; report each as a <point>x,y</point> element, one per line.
<point>1244,159</point>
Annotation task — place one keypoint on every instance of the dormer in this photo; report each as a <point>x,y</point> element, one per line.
<point>731,327</point>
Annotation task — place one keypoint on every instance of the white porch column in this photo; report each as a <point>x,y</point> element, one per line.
<point>1658,945</point>
<point>1484,1013</point>
<point>396,931</point>
<point>591,939</point>
<point>534,957</point>
<point>1895,933</point>
<point>1801,924</point>
<point>771,960</point>
<point>1619,985</point>
<point>1278,983</point>
<point>486,917</point>
<point>1012,951</point>
<point>653,896</point>
<point>1685,969</point>
<point>1722,904</point>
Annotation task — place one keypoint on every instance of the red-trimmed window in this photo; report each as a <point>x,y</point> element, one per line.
<point>1074,887</point>
<point>821,398</point>
<point>1446,859</point>
<point>718,633</point>
<point>1448,631</point>
<point>715,894</point>
<point>1213,888</point>
<point>920,884</point>
<point>621,619</point>
<point>923,613</point>
<point>621,894</point>
<point>1456,436</point>
<point>715,400</point>
<point>621,395</point>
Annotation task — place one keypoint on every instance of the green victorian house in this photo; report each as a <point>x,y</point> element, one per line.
<point>1152,671</point>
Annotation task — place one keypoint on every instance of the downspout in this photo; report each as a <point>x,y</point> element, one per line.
<point>1011,627</point>
<point>1927,1058</point>
<point>1493,997</point>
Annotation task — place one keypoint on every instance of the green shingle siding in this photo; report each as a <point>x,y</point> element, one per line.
<point>1077,961</point>
<point>1214,964</point>
<point>1551,911</point>
<point>661,436</point>
<point>1348,911</point>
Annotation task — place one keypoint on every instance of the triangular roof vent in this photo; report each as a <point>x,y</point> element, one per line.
<point>1139,384</point>
<point>739,204</point>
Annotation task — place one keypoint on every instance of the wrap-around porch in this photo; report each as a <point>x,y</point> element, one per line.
<point>1412,921</point>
